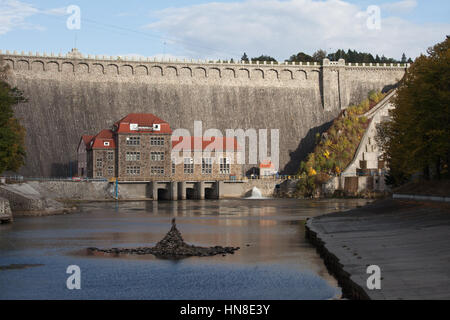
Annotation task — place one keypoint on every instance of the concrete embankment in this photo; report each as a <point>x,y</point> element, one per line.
<point>408,240</point>
<point>23,199</point>
<point>74,190</point>
<point>49,196</point>
<point>244,189</point>
<point>5,211</point>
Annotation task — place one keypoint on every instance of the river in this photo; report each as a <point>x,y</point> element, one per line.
<point>274,262</point>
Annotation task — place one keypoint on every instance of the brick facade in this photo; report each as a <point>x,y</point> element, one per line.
<point>206,171</point>
<point>145,150</point>
<point>103,163</point>
<point>145,155</point>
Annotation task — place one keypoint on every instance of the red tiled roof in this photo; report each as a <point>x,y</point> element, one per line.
<point>98,142</point>
<point>144,120</point>
<point>266,165</point>
<point>213,143</point>
<point>86,140</point>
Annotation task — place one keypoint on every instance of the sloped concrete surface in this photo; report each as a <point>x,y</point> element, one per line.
<point>5,211</point>
<point>23,198</point>
<point>409,241</point>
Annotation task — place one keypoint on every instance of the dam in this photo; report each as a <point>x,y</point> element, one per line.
<point>74,94</point>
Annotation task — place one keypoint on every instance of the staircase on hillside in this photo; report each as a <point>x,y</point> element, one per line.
<point>367,170</point>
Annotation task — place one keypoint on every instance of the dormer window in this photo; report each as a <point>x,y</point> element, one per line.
<point>106,143</point>
<point>134,127</point>
<point>156,127</point>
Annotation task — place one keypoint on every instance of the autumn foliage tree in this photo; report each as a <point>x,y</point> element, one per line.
<point>417,139</point>
<point>12,134</point>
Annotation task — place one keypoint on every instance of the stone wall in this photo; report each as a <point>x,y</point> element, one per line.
<point>95,190</point>
<point>244,189</point>
<point>144,148</point>
<point>5,211</point>
<point>108,166</point>
<point>70,96</point>
<point>75,190</point>
<point>22,201</point>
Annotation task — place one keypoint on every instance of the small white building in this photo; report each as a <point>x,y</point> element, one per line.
<point>266,169</point>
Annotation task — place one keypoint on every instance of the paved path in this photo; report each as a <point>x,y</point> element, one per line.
<point>409,241</point>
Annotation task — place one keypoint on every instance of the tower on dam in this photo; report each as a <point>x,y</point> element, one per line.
<point>69,95</point>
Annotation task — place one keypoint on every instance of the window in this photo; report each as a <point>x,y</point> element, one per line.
<point>99,162</point>
<point>110,155</point>
<point>133,141</point>
<point>157,170</point>
<point>110,171</point>
<point>156,141</point>
<point>157,156</point>
<point>133,170</point>
<point>133,156</point>
<point>174,166</point>
<point>206,166</point>
<point>188,166</point>
<point>224,166</point>
<point>99,174</point>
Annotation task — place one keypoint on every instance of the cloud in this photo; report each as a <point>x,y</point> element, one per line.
<point>13,14</point>
<point>56,11</point>
<point>400,7</point>
<point>282,28</point>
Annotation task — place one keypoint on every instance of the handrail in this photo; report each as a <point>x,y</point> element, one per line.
<point>366,134</point>
<point>370,113</point>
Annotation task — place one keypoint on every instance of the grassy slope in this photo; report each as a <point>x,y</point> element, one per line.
<point>336,148</point>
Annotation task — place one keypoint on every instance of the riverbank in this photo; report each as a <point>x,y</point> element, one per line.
<point>46,212</point>
<point>408,240</point>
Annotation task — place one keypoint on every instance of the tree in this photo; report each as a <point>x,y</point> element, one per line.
<point>403,58</point>
<point>12,134</point>
<point>417,137</point>
<point>264,58</point>
<point>319,55</point>
<point>244,57</point>
<point>301,57</point>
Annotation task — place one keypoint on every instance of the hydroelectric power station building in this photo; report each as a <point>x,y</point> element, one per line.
<point>140,147</point>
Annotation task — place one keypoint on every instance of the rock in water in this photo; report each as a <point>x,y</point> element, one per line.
<point>171,246</point>
<point>172,243</point>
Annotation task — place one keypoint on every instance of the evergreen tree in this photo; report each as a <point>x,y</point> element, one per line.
<point>351,56</point>
<point>403,58</point>
<point>244,57</point>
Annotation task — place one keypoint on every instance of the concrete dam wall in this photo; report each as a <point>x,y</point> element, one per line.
<point>73,95</point>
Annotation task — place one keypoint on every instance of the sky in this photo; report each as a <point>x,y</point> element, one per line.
<point>223,29</point>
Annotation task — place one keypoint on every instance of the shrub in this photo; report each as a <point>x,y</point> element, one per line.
<point>306,185</point>
<point>333,154</point>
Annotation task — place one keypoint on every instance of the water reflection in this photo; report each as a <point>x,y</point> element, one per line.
<point>270,233</point>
